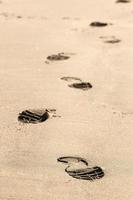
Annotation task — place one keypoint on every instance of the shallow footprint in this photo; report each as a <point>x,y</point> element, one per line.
<point>69,78</point>
<point>98,24</point>
<point>33,116</point>
<point>82,85</point>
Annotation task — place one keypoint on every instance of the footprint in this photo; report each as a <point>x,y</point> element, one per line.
<point>19,17</point>
<point>66,18</point>
<point>37,116</point>
<point>78,85</point>
<point>83,173</point>
<point>10,15</point>
<point>58,57</point>
<point>69,78</point>
<point>111,39</point>
<point>98,24</point>
<point>5,14</point>
<point>82,85</point>
<point>122,1</point>
<point>33,116</point>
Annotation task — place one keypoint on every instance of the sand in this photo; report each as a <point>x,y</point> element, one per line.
<point>95,124</point>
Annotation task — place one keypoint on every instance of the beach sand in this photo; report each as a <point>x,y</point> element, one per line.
<point>95,124</point>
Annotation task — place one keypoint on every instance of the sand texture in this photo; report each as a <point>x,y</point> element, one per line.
<point>52,59</point>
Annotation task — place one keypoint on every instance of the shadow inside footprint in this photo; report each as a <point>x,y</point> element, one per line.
<point>33,117</point>
<point>98,24</point>
<point>86,174</point>
<point>82,85</point>
<point>122,1</point>
<point>58,57</point>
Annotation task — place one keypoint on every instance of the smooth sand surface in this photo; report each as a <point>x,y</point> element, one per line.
<point>94,124</point>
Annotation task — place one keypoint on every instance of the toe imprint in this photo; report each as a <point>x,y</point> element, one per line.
<point>72,159</point>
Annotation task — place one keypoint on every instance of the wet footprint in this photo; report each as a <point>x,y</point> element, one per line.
<point>82,85</point>
<point>122,1</point>
<point>99,24</point>
<point>36,116</point>
<point>111,39</point>
<point>82,172</point>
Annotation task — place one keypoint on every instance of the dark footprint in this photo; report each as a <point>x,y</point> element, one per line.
<point>78,85</point>
<point>82,85</point>
<point>110,39</point>
<point>86,174</point>
<point>58,57</point>
<point>113,41</point>
<point>33,116</point>
<point>122,1</point>
<point>68,78</point>
<point>75,170</point>
<point>72,159</point>
<point>98,24</point>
